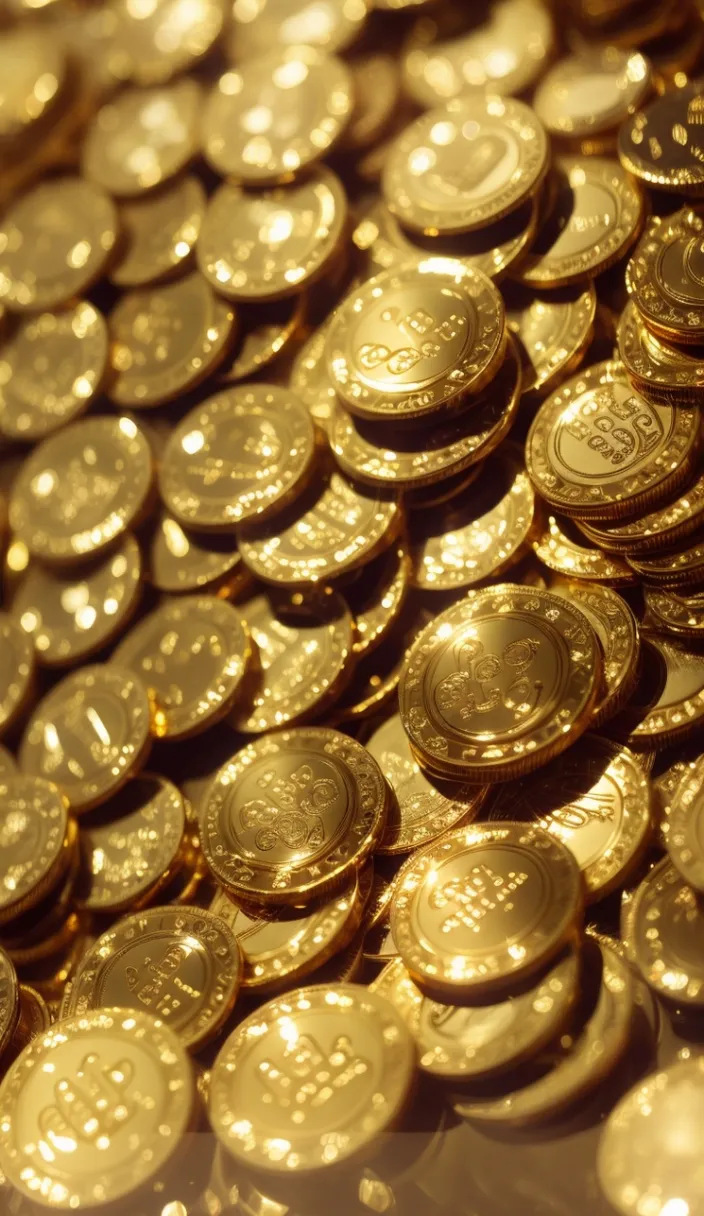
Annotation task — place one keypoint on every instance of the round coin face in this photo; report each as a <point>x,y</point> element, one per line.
<point>328,24</point>
<point>335,1039</point>
<point>500,682</point>
<point>665,277</point>
<point>271,244</point>
<point>617,629</point>
<point>483,908</point>
<point>292,815</point>
<point>459,167</point>
<point>81,489</point>
<point>240,456</point>
<point>655,367</point>
<point>159,232</point>
<point>155,45</point>
<point>306,100</point>
<point>412,340</point>
<point>182,964</point>
<point>112,1081</point>
<point>592,92</point>
<point>666,923</point>
<point>192,654</point>
<point>685,836</point>
<point>55,241</point>
<point>33,827</point>
<point>16,670</point>
<point>660,144</point>
<point>551,331</point>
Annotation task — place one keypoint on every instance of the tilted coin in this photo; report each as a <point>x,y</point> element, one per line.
<point>240,456</point>
<point>16,671</point>
<point>35,832</point>
<point>50,370</point>
<point>376,84</point>
<point>660,144</point>
<point>71,615</point>
<point>617,629</point>
<point>551,331</point>
<point>9,1000</point>
<point>271,244</point>
<point>159,232</point>
<point>668,702</point>
<point>666,922</point>
<point>151,47</point>
<point>182,965</point>
<point>166,339</point>
<point>461,166</point>
<point>678,569</point>
<point>596,216</point>
<point>500,682</point>
<point>112,1080</point>
<point>671,613</point>
<point>81,489</point>
<point>376,675</point>
<point>483,908</point>
<point>89,734</point>
<point>410,341</point>
<point>335,1039</point>
<point>55,242</point>
<point>267,331</point>
<point>143,137</point>
<point>664,277</point>
<point>292,815</point>
<point>598,450</point>
<point>562,548</point>
<point>685,836</point>
<point>656,368</point>
<point>192,654</point>
<point>182,561</point>
<point>310,379</point>
<point>376,596</point>
<point>330,26</point>
<point>34,68</point>
<point>7,763</point>
<point>307,98</point>
<point>660,529</point>
<point>593,92</point>
<point>50,924</point>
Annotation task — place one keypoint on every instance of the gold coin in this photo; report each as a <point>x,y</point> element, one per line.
<point>666,921</point>
<point>70,616</point>
<point>50,370</point>
<point>182,965</point>
<point>327,24</point>
<point>89,734</point>
<point>376,85</point>
<point>310,379</point>
<point>143,138</point>
<point>376,596</point>
<point>461,166</point>
<point>7,763</point>
<point>381,453</point>
<point>660,529</point>
<point>192,654</point>
<point>159,232</point>
<point>54,243</point>
<point>182,562</point>
<point>664,277</point>
<point>681,615</point>
<point>551,330</point>
<point>149,46</point>
<point>110,1080</point>
<point>9,1000</point>
<point>648,1146</point>
<point>440,492</point>
<point>500,683</point>
<point>598,450</point>
<point>51,924</point>
<point>332,528</point>
<point>16,671</point>
<point>241,456</point>
<point>422,809</point>
<point>81,489</point>
<point>594,92</point>
<point>33,68</point>
<point>335,1039</point>
<point>266,332</point>
<point>596,216</point>
<point>461,1044</point>
<point>658,370</point>
<point>596,800</point>
<point>323,815</point>
<point>270,244</point>
<point>35,830</point>
<point>682,568</point>
<point>483,908</point>
<point>617,629</point>
<point>166,340</point>
<point>131,846</point>
<point>685,835</point>
<point>562,549</point>
<point>376,675</point>
<point>670,772</point>
<point>303,657</point>
<point>276,115</point>
<point>34,1020</point>
<point>464,544</point>
<point>668,703</point>
<point>411,341</point>
<point>660,145</point>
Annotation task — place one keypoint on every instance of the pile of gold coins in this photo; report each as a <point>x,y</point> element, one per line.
<point>352,629</point>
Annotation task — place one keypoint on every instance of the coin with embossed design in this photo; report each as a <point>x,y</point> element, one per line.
<point>657,369</point>
<point>665,277</point>
<point>16,671</point>
<point>562,548</point>
<point>159,232</point>
<point>37,842</point>
<point>551,330</point>
<point>666,924</point>
<point>660,144</point>
<point>617,629</point>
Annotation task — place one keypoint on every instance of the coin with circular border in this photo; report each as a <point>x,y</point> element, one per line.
<point>166,340</point>
<point>192,653</point>
<point>181,561</point>
<point>460,166</point>
<point>329,25</point>
<point>310,379</point>
<point>111,1052</point>
<point>668,702</point>
<point>500,682</point>
<point>618,631</point>
<point>17,665</point>
<point>660,144</point>
<point>8,766</point>
<point>659,529</point>
<point>81,489</point>
<point>671,613</point>
<point>307,98</point>
<point>303,657</point>
<point>50,370</point>
<point>412,341</point>
<point>568,554</point>
<point>239,457</point>
<point>484,908</point>
<point>685,835</point>
<point>647,456</point>
<point>376,596</point>
<point>666,922</point>
<point>596,216</point>
<point>70,617</point>
<point>271,244</point>
<point>658,370</point>
<point>55,241</point>
<point>159,232</point>
<point>35,827</point>
<point>322,815</point>
<point>592,92</point>
<point>267,331</point>
<point>664,277</point>
<point>552,331</point>
<point>9,1000</point>
<point>89,734</point>
<point>143,137</point>
<point>33,66</point>
<point>149,47</point>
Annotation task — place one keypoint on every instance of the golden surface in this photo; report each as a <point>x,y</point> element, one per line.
<point>593,92</point>
<point>34,824</point>
<point>654,366</point>
<point>685,836</point>
<point>618,631</point>
<point>668,701</point>
<point>552,332</point>
<point>328,24</point>
<point>664,277</point>
<point>181,562</point>
<point>9,1000</point>
<point>159,232</point>
<point>16,671</point>
<point>660,144</point>
<point>562,548</point>
<point>377,594</point>
<point>154,42</point>
<point>33,71</point>
<point>665,931</point>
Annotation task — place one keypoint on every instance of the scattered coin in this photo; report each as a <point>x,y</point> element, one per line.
<point>552,332</point>
<point>664,939</point>
<point>37,842</point>
<point>330,26</point>
<point>664,278</point>
<point>149,47</point>
<point>656,368</point>
<point>685,836</point>
<point>617,629</point>
<point>159,232</point>
<point>561,548</point>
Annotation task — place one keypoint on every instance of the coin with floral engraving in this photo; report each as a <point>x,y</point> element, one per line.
<point>159,232</point>
<point>679,614</point>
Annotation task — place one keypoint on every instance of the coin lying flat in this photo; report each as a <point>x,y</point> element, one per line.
<point>181,562</point>
<point>16,671</point>
<point>292,815</point>
<point>668,702</point>
<point>660,144</point>
<point>153,45</point>
<point>594,92</point>
<point>159,232</point>
<point>685,835</point>
<point>551,330</point>
<point>328,25</point>
<point>81,489</point>
<point>561,548</point>
<point>35,827</point>
<point>617,629</point>
<point>664,277</point>
<point>665,925</point>
<point>656,368</point>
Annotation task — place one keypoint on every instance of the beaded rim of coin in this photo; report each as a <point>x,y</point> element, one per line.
<point>669,297</point>
<point>382,377</point>
<point>560,552</point>
<point>618,631</point>
<point>680,568</point>
<point>660,959</point>
<point>665,722</point>
<point>426,144</point>
<point>183,562</point>
<point>465,973</point>
<point>159,232</point>
<point>316,866</point>
<point>38,873</point>
<point>656,368</point>
<point>18,669</point>
<point>685,837</point>
<point>565,324</point>
<point>617,82</point>
<point>654,145</point>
